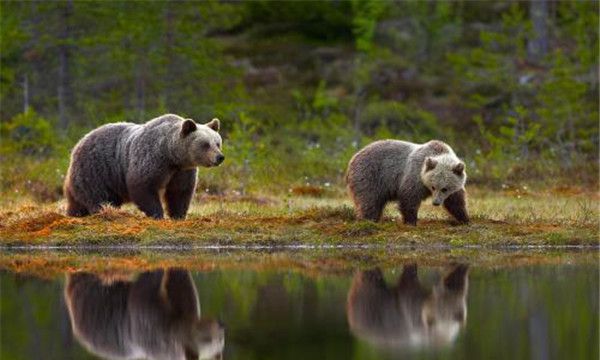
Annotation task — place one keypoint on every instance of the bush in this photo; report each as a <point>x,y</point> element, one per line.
<point>27,134</point>
<point>401,120</point>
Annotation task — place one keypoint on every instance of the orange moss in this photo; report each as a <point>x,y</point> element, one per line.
<point>308,190</point>
<point>312,263</point>
<point>37,223</point>
<point>110,213</point>
<point>567,190</point>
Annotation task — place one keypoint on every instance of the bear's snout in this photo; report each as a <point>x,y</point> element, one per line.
<point>220,158</point>
<point>436,203</point>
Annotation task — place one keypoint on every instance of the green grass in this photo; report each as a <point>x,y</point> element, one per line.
<point>499,218</point>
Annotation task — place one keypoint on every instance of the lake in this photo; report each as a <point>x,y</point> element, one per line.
<point>452,310</point>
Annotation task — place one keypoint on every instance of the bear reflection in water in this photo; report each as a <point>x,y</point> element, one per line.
<point>155,316</point>
<point>407,315</point>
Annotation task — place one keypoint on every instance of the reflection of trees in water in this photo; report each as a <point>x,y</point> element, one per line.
<point>288,314</point>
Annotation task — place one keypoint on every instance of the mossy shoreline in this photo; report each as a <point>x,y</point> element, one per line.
<point>52,263</point>
<point>296,231</point>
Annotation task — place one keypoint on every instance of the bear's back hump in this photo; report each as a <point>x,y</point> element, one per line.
<point>106,136</point>
<point>385,150</point>
<point>385,158</point>
<point>105,147</point>
<point>167,120</point>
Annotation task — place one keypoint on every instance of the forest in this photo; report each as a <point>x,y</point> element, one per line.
<point>300,86</point>
<point>277,255</point>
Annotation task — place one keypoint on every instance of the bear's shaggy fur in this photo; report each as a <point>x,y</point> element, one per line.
<point>122,162</point>
<point>156,316</point>
<point>407,314</point>
<point>391,170</point>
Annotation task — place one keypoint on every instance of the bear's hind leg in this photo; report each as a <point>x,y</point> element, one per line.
<point>74,208</point>
<point>370,210</point>
<point>456,206</point>
<point>179,193</point>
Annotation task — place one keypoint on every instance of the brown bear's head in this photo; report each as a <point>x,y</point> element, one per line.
<point>202,143</point>
<point>443,175</point>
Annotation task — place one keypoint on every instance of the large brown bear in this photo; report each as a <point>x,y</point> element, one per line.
<point>122,162</point>
<point>409,173</point>
<point>406,314</point>
<point>157,316</point>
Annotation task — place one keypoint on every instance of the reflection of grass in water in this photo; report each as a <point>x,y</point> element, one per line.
<point>311,262</point>
<point>499,218</point>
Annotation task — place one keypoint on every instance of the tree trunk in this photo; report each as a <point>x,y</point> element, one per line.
<point>169,54</point>
<point>537,47</point>
<point>140,88</point>
<point>64,84</point>
<point>360,93</point>
<point>25,93</point>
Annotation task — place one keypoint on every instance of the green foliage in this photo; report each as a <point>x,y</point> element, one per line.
<point>522,110</point>
<point>364,21</point>
<point>27,134</point>
<point>432,29</point>
<point>402,120</point>
<point>346,73</point>
<point>570,121</point>
<point>246,149</point>
<point>316,20</point>
<point>319,104</point>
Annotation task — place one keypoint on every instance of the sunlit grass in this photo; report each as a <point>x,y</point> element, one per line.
<point>498,218</point>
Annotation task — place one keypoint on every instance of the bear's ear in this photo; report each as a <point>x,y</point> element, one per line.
<point>214,124</point>
<point>187,127</point>
<point>458,169</point>
<point>430,164</point>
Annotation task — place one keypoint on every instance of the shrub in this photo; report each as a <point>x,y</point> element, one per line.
<point>27,134</point>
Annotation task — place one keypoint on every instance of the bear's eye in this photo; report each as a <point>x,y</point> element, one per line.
<point>444,190</point>
<point>205,146</point>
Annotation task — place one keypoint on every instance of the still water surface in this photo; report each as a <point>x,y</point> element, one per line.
<point>420,312</point>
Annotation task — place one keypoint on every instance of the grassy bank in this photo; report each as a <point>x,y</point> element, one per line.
<point>560,216</point>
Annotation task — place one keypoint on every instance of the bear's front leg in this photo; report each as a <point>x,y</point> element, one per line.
<point>179,193</point>
<point>147,199</point>
<point>456,206</point>
<point>409,210</point>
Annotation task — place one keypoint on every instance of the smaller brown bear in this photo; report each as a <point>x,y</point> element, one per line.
<point>409,173</point>
<point>122,162</point>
